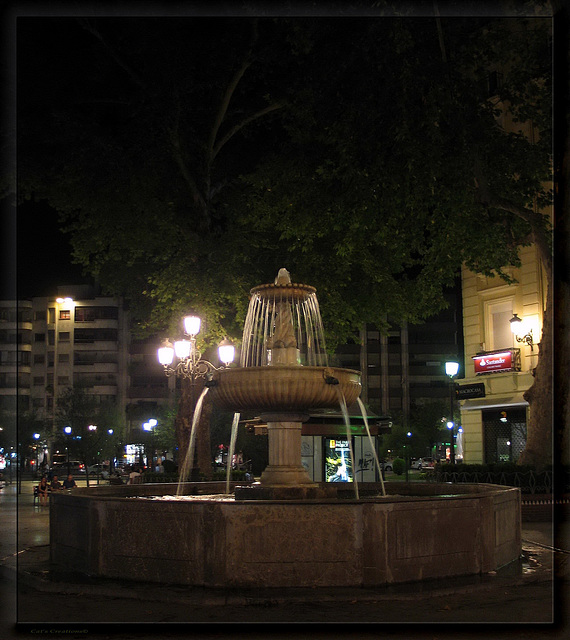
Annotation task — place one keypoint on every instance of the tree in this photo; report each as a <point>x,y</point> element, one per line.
<point>187,175</point>
<point>89,439</point>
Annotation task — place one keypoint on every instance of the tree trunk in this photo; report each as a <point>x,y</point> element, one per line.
<point>183,425</point>
<point>556,417</point>
<point>538,449</point>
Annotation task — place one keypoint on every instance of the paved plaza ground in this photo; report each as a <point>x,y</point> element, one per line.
<point>528,600</point>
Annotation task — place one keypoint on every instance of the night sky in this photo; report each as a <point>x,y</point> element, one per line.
<point>43,253</point>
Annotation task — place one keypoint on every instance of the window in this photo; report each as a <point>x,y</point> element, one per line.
<point>85,336</point>
<point>89,314</point>
<point>63,357</point>
<point>39,381</point>
<point>63,380</point>
<point>65,314</point>
<point>39,359</point>
<point>51,315</point>
<point>64,336</point>
<point>40,315</point>
<point>39,337</point>
<point>51,337</point>
<point>498,334</point>
<point>494,82</point>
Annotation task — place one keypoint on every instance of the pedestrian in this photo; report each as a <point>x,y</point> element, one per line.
<point>43,491</point>
<point>135,477</point>
<point>55,484</point>
<point>69,482</point>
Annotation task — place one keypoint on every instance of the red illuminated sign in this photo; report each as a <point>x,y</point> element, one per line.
<point>491,362</point>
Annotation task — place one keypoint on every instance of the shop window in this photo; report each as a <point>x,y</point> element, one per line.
<point>504,434</point>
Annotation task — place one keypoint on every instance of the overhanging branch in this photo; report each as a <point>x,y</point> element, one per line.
<point>243,123</point>
<point>536,222</point>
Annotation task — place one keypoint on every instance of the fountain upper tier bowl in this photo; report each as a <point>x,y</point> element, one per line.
<point>284,388</point>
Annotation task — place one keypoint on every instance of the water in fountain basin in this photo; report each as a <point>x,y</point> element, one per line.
<point>344,411</point>
<point>189,459</point>
<point>231,451</point>
<point>363,411</point>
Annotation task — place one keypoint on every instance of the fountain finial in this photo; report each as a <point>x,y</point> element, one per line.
<point>283,277</point>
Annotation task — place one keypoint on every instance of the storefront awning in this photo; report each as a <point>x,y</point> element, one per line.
<point>515,400</point>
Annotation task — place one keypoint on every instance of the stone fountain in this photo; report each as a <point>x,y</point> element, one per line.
<point>285,531</point>
<point>284,374</point>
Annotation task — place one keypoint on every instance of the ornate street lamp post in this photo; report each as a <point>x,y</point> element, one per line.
<point>451,369</point>
<point>190,363</point>
<point>183,359</point>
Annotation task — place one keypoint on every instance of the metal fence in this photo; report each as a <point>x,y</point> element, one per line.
<point>528,481</point>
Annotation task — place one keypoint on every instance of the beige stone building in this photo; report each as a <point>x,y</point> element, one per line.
<point>494,426</point>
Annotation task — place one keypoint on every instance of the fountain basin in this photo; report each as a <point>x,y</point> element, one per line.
<point>423,532</point>
<point>283,388</point>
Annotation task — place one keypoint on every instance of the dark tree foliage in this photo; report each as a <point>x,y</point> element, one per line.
<point>192,158</point>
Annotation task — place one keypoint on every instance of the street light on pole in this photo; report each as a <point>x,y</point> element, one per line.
<point>36,438</point>
<point>149,427</point>
<point>67,431</point>
<point>407,457</point>
<point>451,369</point>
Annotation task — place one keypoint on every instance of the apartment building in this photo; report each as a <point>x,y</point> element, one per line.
<point>15,355</point>
<point>77,338</point>
<point>406,365</point>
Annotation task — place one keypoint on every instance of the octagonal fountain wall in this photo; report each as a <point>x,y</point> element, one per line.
<point>129,532</point>
<point>286,530</point>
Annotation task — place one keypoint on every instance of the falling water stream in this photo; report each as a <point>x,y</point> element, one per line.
<point>230,457</point>
<point>363,411</point>
<point>344,411</point>
<point>189,459</point>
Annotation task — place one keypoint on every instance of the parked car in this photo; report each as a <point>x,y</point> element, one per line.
<point>422,463</point>
<point>386,465</point>
<point>75,466</point>
<point>100,469</point>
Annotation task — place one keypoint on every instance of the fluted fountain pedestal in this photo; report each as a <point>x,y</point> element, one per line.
<point>284,434</point>
<point>284,478</point>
